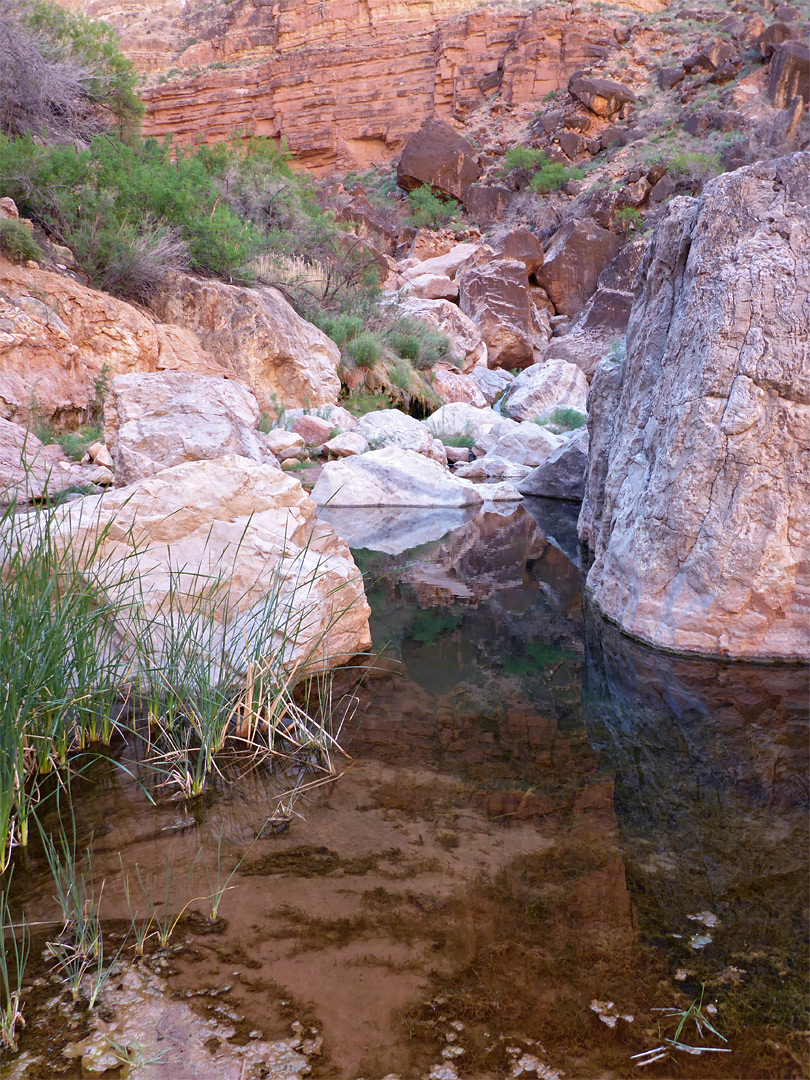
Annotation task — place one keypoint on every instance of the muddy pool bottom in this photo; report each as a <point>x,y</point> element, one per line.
<point>549,841</point>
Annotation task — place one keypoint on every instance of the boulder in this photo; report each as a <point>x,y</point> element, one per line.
<point>789,74</point>
<point>493,467</point>
<point>314,430</point>
<point>437,155</point>
<point>529,444</point>
<point>285,444</point>
<point>336,415</point>
<point>698,478</point>
<point>562,475</point>
<point>575,257</point>
<point>452,385</point>
<point>391,477</point>
<point>492,382</point>
<point>603,320</point>
<point>394,529</point>
<point>543,387</point>
<point>152,422</point>
<point>445,264</point>
<point>500,492</point>
<point>248,524</point>
<point>773,36</point>
<point>486,204</point>
<point>61,342</point>
<point>466,343</point>
<point>431,287</point>
<point>390,427</point>
<point>520,244</point>
<point>602,96</point>
<point>257,336</point>
<point>346,445</point>
<point>495,295</point>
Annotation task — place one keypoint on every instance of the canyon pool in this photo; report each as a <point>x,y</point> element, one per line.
<point>545,843</point>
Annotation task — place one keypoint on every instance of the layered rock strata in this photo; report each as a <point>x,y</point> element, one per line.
<point>699,474</point>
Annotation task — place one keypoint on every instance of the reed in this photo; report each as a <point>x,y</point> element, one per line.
<point>13,960</point>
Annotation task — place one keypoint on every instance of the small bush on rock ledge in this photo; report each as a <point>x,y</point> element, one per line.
<point>17,243</point>
<point>430,211</point>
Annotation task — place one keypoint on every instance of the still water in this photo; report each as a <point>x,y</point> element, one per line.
<point>546,840</point>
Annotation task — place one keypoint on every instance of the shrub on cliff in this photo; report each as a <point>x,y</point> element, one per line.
<point>430,211</point>
<point>17,243</point>
<point>62,76</point>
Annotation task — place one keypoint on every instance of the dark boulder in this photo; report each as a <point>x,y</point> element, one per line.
<point>437,155</point>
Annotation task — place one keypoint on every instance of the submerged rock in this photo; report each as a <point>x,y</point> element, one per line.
<point>699,477</point>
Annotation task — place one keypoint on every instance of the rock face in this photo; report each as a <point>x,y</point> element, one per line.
<point>438,156</point>
<point>561,476</point>
<point>495,295</point>
<point>575,257</point>
<point>154,421</point>
<point>453,385</point>
<point>320,76</point>
<point>257,336</point>
<point>391,477</point>
<point>699,477</point>
<point>789,73</point>
<point>27,468</point>
<point>602,96</point>
<point>543,387</point>
<point>251,525</point>
<point>60,342</point>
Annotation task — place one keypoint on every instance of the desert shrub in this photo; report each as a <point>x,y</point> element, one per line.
<point>401,373</point>
<point>365,349</point>
<point>418,342</point>
<point>522,157</point>
<point>360,402</point>
<point>552,175</point>
<point>62,75</point>
<point>431,211</point>
<point>693,167</point>
<point>467,441</point>
<point>342,328</point>
<point>17,243</point>
<point>563,419</point>
<point>629,218</point>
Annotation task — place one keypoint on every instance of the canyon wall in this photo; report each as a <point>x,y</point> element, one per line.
<point>698,481</point>
<point>343,81</point>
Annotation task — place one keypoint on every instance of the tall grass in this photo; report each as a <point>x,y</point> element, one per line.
<point>13,959</point>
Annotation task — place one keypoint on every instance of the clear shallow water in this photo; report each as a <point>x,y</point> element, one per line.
<point>534,809</point>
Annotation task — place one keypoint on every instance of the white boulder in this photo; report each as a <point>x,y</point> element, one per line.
<point>391,477</point>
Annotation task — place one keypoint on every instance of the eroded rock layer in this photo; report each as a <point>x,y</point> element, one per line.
<point>699,477</point>
<point>344,82</point>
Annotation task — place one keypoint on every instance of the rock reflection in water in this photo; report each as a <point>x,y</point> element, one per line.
<point>711,792</point>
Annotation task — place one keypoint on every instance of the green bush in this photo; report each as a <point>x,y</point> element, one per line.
<point>563,419</point>
<point>401,374</point>
<point>467,441</point>
<point>522,157</point>
<point>629,218</point>
<point>431,211</point>
<point>365,349</point>
<point>405,345</point>
<point>418,342</point>
<point>342,328</point>
<point>360,402</point>
<point>17,243</point>
<point>553,175</point>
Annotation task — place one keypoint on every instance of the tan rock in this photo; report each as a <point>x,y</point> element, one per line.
<point>495,295</point>
<point>543,387</point>
<point>520,243</point>
<point>431,287</point>
<point>346,445</point>
<point>258,337</point>
<point>314,430</point>
<point>248,523</point>
<point>699,478</point>
<point>8,208</point>
<point>152,422</point>
<point>529,444</point>
<point>391,477</point>
<point>61,342</point>
<point>452,385</point>
<point>438,156</point>
<point>446,264</point>
<point>492,382</point>
<point>390,427</point>
<point>279,441</point>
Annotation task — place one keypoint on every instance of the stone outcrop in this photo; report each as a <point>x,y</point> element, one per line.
<point>562,475</point>
<point>436,155</point>
<point>453,385</point>
<point>258,337</point>
<point>492,382</point>
<point>699,478</point>
<point>391,477</point>
<point>249,524</point>
<point>60,342</point>
<point>602,96</point>
<point>152,422</point>
<point>543,387</point>
<point>320,76</point>
<point>528,444</point>
<point>575,257</point>
<point>789,74</point>
<point>494,294</point>
<point>459,420</point>
<point>28,469</point>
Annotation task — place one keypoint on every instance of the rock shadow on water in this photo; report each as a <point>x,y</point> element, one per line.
<point>394,529</point>
<point>711,793</point>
